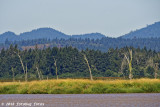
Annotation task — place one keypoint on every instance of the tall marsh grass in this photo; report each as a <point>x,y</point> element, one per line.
<point>81,86</point>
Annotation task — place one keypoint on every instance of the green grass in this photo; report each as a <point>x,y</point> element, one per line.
<point>81,86</point>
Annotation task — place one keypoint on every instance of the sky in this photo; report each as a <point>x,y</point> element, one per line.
<point>112,18</point>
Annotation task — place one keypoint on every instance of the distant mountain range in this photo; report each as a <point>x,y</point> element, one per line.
<point>151,31</point>
<point>47,33</point>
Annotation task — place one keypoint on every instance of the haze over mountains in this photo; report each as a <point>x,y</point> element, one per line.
<point>151,31</point>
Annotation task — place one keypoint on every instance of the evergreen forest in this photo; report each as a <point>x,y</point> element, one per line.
<point>69,62</point>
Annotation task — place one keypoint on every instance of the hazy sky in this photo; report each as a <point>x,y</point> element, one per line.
<point>109,17</point>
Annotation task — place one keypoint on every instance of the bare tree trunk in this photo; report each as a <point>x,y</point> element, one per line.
<point>38,73</point>
<point>55,64</point>
<point>150,62</point>
<point>88,67</point>
<point>122,67</point>
<point>129,64</point>
<point>156,69</point>
<point>13,74</point>
<point>41,74</point>
<point>21,62</point>
<point>26,79</point>
<point>56,73</point>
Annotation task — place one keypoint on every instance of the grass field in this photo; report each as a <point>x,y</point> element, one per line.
<point>81,86</point>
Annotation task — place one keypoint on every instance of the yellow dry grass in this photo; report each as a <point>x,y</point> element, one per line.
<point>80,86</point>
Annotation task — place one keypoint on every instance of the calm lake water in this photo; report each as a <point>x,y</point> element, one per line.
<point>80,100</point>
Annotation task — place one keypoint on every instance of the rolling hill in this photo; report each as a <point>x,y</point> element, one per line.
<point>150,31</point>
<point>47,33</point>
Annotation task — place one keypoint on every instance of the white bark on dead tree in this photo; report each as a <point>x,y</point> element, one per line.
<point>122,66</point>
<point>41,74</point>
<point>88,66</point>
<point>38,73</point>
<point>129,60</point>
<point>156,70</point>
<point>13,74</point>
<point>21,63</point>
<point>26,79</point>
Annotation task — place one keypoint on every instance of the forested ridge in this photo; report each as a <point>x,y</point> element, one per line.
<point>70,63</point>
<point>47,33</point>
<point>150,31</point>
<point>97,44</point>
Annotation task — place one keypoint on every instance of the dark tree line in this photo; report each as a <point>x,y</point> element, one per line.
<point>70,62</point>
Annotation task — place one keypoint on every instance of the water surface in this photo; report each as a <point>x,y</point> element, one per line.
<point>80,100</point>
